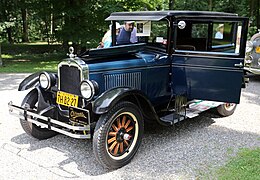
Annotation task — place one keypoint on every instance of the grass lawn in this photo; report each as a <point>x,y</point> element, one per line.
<point>29,58</point>
<point>29,63</point>
<point>246,165</point>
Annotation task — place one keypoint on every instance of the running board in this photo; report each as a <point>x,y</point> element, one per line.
<point>172,118</point>
<point>51,124</point>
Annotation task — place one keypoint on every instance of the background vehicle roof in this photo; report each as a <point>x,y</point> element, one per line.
<point>158,15</point>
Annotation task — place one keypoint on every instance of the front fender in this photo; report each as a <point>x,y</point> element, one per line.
<point>109,98</point>
<point>29,82</point>
<point>32,81</point>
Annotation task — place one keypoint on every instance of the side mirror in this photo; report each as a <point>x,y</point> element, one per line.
<point>181,24</point>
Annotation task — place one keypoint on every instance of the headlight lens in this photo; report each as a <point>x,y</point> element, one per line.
<point>87,89</point>
<point>45,80</point>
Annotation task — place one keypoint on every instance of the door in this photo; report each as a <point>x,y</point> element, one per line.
<point>206,66</point>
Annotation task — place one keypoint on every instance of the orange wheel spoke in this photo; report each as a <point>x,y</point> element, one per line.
<point>112,146</point>
<point>129,129</point>
<point>116,149</point>
<point>127,124</point>
<point>112,134</point>
<point>111,140</point>
<point>118,124</point>
<point>123,121</point>
<point>121,147</point>
<point>126,143</point>
<point>114,127</point>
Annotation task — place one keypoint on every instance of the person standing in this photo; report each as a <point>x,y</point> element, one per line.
<point>127,34</point>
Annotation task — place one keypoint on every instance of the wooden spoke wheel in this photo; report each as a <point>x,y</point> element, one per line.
<point>226,109</point>
<point>121,135</point>
<point>117,135</point>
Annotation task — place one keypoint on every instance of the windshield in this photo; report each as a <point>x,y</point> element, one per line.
<point>132,32</point>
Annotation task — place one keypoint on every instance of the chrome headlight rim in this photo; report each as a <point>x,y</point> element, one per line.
<point>44,76</point>
<point>249,46</point>
<point>88,85</point>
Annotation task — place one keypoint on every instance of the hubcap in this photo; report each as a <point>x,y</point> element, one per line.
<point>229,106</point>
<point>122,135</point>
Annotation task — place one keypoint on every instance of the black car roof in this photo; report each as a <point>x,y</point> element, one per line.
<point>158,15</point>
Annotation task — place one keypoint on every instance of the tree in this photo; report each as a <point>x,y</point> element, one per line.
<point>24,14</point>
<point>171,4</point>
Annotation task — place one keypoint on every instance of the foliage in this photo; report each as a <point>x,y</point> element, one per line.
<point>82,21</point>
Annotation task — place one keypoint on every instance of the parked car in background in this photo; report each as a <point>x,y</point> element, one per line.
<point>252,59</point>
<point>178,68</point>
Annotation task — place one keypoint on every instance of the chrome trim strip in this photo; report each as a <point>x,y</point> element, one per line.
<point>124,69</point>
<point>205,67</point>
<point>16,111</point>
<point>204,55</point>
<point>208,68</point>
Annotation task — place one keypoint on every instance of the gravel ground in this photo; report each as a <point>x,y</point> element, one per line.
<point>188,151</point>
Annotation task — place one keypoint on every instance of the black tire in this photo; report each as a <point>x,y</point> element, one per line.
<point>124,123</point>
<point>33,130</point>
<point>226,109</point>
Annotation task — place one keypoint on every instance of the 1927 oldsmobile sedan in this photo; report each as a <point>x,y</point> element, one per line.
<point>180,60</point>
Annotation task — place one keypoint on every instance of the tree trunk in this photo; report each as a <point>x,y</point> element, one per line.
<point>258,15</point>
<point>210,5</point>
<point>1,61</point>
<point>9,34</point>
<point>171,4</point>
<point>25,25</point>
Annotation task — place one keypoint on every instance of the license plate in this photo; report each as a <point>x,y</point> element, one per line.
<point>67,99</point>
<point>257,50</point>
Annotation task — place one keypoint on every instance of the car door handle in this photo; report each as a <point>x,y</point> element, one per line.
<point>239,65</point>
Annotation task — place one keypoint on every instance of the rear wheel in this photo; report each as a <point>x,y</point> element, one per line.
<point>118,135</point>
<point>30,101</point>
<point>226,109</point>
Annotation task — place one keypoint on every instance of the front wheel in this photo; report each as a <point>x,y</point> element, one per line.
<point>31,101</point>
<point>226,109</point>
<point>118,135</point>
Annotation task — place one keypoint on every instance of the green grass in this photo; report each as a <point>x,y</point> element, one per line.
<point>32,57</point>
<point>30,48</point>
<point>29,63</point>
<point>245,166</point>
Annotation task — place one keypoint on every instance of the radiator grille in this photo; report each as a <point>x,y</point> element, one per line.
<point>69,79</point>
<point>126,80</point>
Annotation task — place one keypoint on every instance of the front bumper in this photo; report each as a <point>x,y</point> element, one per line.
<point>252,70</point>
<point>74,131</point>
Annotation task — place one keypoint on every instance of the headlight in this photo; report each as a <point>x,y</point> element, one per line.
<point>87,89</point>
<point>249,46</point>
<point>45,80</point>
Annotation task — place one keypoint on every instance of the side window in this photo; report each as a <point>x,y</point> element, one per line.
<point>222,34</point>
<point>208,36</point>
<point>226,37</point>
<point>193,37</point>
<point>199,31</point>
<point>158,32</point>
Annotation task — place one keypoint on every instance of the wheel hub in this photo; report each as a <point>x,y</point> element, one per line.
<point>120,135</point>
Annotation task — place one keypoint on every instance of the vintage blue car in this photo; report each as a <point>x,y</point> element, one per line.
<point>184,62</point>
